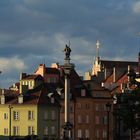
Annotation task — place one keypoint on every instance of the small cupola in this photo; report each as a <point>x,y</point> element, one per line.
<point>2,97</point>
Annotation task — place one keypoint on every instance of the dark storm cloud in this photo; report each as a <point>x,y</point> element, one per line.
<point>36,31</point>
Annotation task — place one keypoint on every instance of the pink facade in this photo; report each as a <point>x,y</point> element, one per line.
<point>50,75</point>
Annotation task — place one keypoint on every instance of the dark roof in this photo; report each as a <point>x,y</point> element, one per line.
<point>95,86</point>
<point>122,64</point>
<point>76,84</point>
<point>52,71</point>
<point>38,97</point>
<point>33,76</point>
<point>9,92</point>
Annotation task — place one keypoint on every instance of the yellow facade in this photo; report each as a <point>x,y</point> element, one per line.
<point>22,123</point>
<point>27,84</point>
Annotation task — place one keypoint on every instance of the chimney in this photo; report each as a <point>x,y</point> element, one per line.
<point>2,97</point>
<point>22,76</point>
<point>114,74</point>
<point>41,70</point>
<point>105,73</point>
<point>20,99</point>
<point>117,72</point>
<point>128,71</point>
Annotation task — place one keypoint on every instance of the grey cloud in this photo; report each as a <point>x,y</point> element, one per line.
<point>37,30</point>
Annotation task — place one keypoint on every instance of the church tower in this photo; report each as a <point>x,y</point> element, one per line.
<point>96,65</point>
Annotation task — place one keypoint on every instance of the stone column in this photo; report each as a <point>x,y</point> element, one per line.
<point>67,72</point>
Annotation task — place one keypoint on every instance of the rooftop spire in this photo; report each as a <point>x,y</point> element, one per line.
<point>97,47</point>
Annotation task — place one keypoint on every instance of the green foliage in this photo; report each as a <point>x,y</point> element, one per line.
<point>130,110</point>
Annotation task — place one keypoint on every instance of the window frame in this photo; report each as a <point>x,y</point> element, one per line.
<point>15,130</point>
<point>15,115</point>
<point>30,115</point>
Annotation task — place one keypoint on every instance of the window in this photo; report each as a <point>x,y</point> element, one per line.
<point>86,133</point>
<point>104,107</point>
<point>71,109</point>
<point>2,99</point>
<point>22,82</point>
<point>79,105</point>
<point>30,115</point>
<point>53,115</point>
<point>16,115</point>
<point>97,119</point>
<point>83,92</point>
<point>87,106</point>
<point>62,109</point>
<point>5,116</point>
<point>26,82</point>
<point>5,131</point>
<point>46,131</point>
<point>97,133</point>
<point>53,130</point>
<point>97,107</point>
<point>48,80</point>
<point>88,86</point>
<point>79,133</point>
<point>46,117</point>
<point>104,134</point>
<point>31,84</point>
<point>104,120</point>
<point>15,130</point>
<point>87,118</point>
<point>79,119</point>
<point>30,130</point>
<point>52,80</point>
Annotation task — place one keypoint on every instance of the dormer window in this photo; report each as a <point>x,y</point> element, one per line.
<point>2,97</point>
<point>20,99</point>
<point>83,92</point>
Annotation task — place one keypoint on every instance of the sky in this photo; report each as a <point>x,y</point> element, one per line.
<point>36,31</point>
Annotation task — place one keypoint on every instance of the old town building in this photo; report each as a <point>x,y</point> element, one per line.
<point>32,114</point>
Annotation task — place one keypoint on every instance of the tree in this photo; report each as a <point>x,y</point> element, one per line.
<point>130,106</point>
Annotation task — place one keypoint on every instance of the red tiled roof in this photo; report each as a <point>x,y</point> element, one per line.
<point>121,64</point>
<point>109,79</point>
<point>123,80</point>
